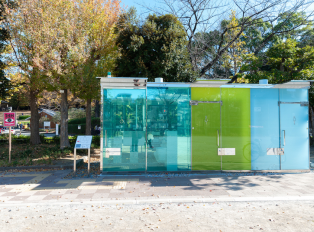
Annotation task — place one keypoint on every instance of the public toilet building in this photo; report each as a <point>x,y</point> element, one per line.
<point>203,126</point>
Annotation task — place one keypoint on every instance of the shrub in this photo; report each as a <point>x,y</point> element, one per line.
<point>73,129</point>
<point>96,141</point>
<point>23,117</point>
<point>80,121</point>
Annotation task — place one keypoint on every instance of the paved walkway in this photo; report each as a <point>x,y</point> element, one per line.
<point>50,187</point>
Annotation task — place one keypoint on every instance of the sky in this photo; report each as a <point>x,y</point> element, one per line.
<point>137,3</point>
<point>157,3</point>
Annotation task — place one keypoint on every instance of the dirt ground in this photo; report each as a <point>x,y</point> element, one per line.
<point>220,217</point>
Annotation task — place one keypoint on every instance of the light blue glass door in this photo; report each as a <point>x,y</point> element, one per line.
<point>294,136</point>
<point>264,129</point>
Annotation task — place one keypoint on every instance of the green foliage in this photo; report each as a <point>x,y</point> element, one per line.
<point>73,129</point>
<point>5,84</point>
<point>96,141</point>
<point>19,101</point>
<point>23,117</point>
<point>285,61</point>
<point>95,121</point>
<point>156,48</point>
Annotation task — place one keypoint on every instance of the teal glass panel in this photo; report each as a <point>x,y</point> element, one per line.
<point>124,130</point>
<point>264,129</point>
<point>168,129</point>
<point>294,136</point>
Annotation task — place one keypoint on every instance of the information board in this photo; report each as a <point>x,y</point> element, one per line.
<point>83,142</point>
<point>47,123</point>
<point>9,119</point>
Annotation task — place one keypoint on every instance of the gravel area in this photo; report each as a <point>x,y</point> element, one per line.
<point>220,217</point>
<point>82,171</point>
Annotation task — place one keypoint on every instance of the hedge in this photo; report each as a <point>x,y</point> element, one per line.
<point>23,117</point>
<point>73,129</point>
<point>80,121</point>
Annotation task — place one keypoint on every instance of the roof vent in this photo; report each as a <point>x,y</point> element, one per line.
<point>159,79</point>
<point>263,82</point>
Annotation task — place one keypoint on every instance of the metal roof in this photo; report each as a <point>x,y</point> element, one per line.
<point>49,112</point>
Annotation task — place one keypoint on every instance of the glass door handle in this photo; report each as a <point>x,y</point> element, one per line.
<point>284,137</point>
<point>105,138</point>
<point>218,138</point>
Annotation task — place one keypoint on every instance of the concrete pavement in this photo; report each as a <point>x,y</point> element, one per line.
<point>51,186</point>
<point>48,201</point>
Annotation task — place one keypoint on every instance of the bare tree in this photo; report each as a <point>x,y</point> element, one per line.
<point>203,20</point>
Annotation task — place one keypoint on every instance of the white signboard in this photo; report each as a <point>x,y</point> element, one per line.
<point>113,152</point>
<point>47,123</point>
<point>83,142</point>
<point>226,151</point>
<point>57,129</point>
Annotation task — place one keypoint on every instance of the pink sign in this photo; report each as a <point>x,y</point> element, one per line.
<point>9,119</point>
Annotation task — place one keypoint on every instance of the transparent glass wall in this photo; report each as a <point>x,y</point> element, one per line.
<point>264,129</point>
<point>168,129</point>
<point>236,131</point>
<point>124,129</point>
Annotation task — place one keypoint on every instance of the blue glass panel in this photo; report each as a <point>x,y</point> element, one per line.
<point>294,95</point>
<point>264,128</point>
<point>124,129</point>
<point>168,129</point>
<point>294,136</point>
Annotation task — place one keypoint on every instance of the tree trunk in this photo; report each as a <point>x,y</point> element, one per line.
<point>64,138</point>
<point>88,117</point>
<point>97,109</point>
<point>35,139</point>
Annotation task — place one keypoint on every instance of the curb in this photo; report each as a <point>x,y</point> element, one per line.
<point>68,166</point>
<point>189,200</point>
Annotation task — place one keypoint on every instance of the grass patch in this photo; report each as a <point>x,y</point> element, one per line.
<point>24,154</point>
<point>28,155</point>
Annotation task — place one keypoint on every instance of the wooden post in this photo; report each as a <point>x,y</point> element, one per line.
<point>74,166</point>
<point>9,144</point>
<point>88,160</point>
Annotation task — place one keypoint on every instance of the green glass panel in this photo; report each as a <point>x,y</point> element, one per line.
<point>205,126</point>
<point>124,130</point>
<point>206,123</point>
<point>205,94</point>
<point>236,131</point>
